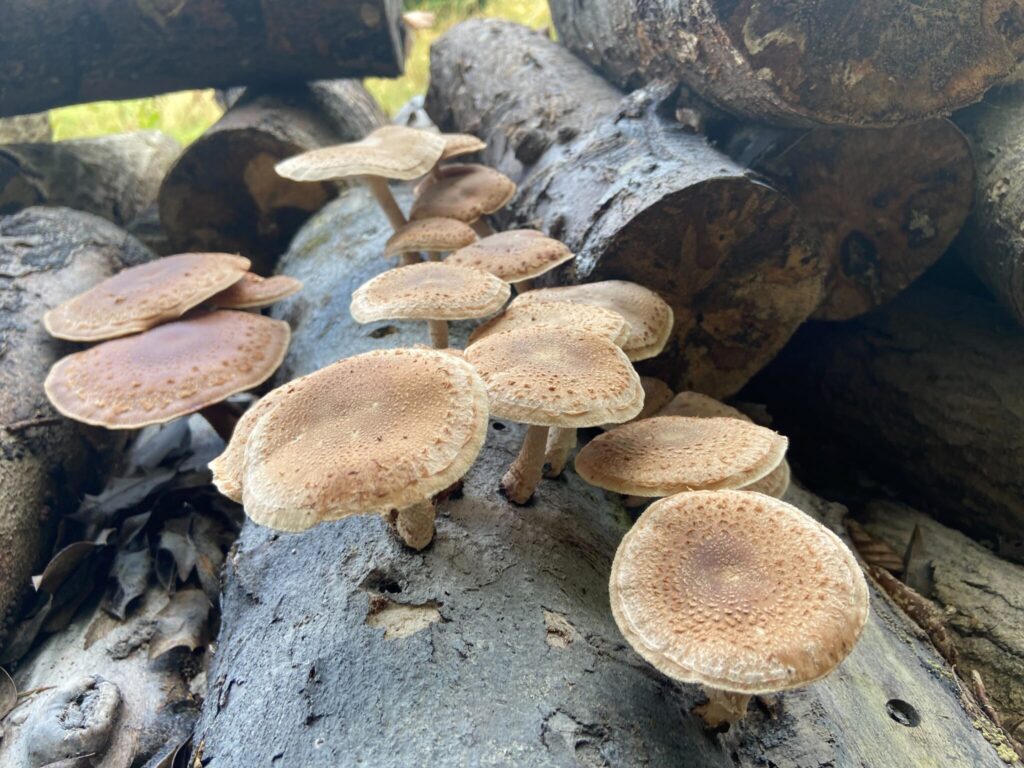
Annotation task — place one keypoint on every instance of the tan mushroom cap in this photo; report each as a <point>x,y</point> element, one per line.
<point>650,318</point>
<point>140,297</point>
<point>737,591</point>
<point>656,395</point>
<point>554,376</point>
<point>433,235</point>
<point>775,483</point>
<point>457,144</point>
<point>671,454</point>
<point>169,371</point>
<point>584,317</point>
<point>391,152</point>
<point>378,431</point>
<point>465,192</point>
<point>254,292</point>
<point>429,291</point>
<point>514,255</point>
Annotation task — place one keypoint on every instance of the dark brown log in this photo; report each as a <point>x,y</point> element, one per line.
<point>869,63</point>
<point>114,177</point>
<point>496,645</point>
<point>636,197</point>
<point>55,52</point>
<point>886,203</point>
<point>223,193</point>
<point>25,128</point>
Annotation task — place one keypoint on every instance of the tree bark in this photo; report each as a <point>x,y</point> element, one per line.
<point>47,255</point>
<point>114,177</point>
<point>886,203</point>
<point>871,63</point>
<point>636,197</point>
<point>56,52</point>
<point>223,193</point>
<point>496,645</point>
<point>25,128</point>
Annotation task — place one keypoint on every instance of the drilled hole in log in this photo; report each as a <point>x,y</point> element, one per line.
<point>903,713</point>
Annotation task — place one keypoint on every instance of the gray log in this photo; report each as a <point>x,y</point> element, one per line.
<point>25,128</point>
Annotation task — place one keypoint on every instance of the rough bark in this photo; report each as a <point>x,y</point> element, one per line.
<point>495,645</point>
<point>47,255</point>
<point>25,128</point>
<point>636,197</point>
<point>886,203</point>
<point>55,52</point>
<point>870,63</point>
<point>116,177</point>
<point>223,193</point>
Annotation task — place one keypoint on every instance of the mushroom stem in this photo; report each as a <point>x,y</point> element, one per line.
<point>482,228</point>
<point>222,417</point>
<point>635,501</point>
<point>433,255</point>
<point>410,258</point>
<point>382,194</point>
<point>723,707</point>
<point>438,333</point>
<point>524,475</point>
<point>561,441</point>
<point>523,285</point>
<point>414,525</point>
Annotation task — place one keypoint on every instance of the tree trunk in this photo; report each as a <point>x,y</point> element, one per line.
<point>47,255</point>
<point>870,63</point>
<point>636,197</point>
<point>56,52</point>
<point>496,645</point>
<point>887,203</point>
<point>223,193</point>
<point>114,177</point>
<point>26,128</point>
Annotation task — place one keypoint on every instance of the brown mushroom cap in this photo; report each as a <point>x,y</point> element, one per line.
<point>378,431</point>
<point>650,318</point>
<point>434,235</point>
<point>456,144</point>
<point>514,255</point>
<point>391,152</point>
<point>670,454</point>
<point>253,292</point>
<point>463,191</point>
<point>140,297</point>
<point>737,591</point>
<point>429,291</point>
<point>555,376</point>
<point>584,317</point>
<point>169,371</point>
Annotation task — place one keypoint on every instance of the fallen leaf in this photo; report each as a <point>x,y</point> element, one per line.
<point>208,539</point>
<point>24,633</point>
<point>122,493</point>
<point>129,575</point>
<point>62,565</point>
<point>8,694</point>
<point>182,623</point>
<point>156,445</point>
<point>132,527</point>
<point>175,553</point>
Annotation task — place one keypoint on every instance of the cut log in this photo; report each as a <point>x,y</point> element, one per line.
<point>636,197</point>
<point>129,48</point>
<point>886,203</point>
<point>26,128</point>
<point>496,645</point>
<point>116,177</point>
<point>870,63</point>
<point>223,193</point>
<point>47,255</point>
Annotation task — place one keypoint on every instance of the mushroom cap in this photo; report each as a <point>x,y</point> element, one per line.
<point>585,317</point>
<point>463,191</point>
<point>382,430</point>
<point>432,235</point>
<point>775,483</point>
<point>514,255</point>
<point>169,371</point>
<point>430,290</point>
<point>555,376</point>
<point>391,152</point>
<point>145,295</point>
<point>650,318</point>
<point>254,292</point>
<point>670,454</point>
<point>456,144</point>
<point>656,395</point>
<point>737,591</point>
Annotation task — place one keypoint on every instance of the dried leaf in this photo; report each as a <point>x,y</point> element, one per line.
<point>130,575</point>
<point>172,755</point>
<point>8,694</point>
<point>132,527</point>
<point>123,493</point>
<point>182,623</point>
<point>175,552</point>
<point>917,567</point>
<point>21,637</point>
<point>63,564</point>
<point>155,445</point>
<point>207,538</point>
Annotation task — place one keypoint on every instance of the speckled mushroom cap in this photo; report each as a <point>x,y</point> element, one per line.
<point>463,191</point>
<point>434,234</point>
<point>584,317</point>
<point>775,483</point>
<point>737,591</point>
<point>429,291</point>
<point>514,255</point>
<point>253,291</point>
<point>650,318</point>
<point>656,395</point>
<point>378,431</point>
<point>457,144</point>
<point>556,376</point>
<point>169,371</point>
<point>391,152</point>
<point>140,297</point>
<point>670,454</point>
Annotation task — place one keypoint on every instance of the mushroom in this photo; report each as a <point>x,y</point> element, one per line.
<point>552,376</point>
<point>657,395</point>
<point>377,433</point>
<point>516,256</point>
<point>143,296</point>
<point>392,152</point>
<point>433,236</point>
<point>255,292</point>
<point>431,291</point>
<point>597,320</point>
<point>459,144</point>
<point>463,191</point>
<point>739,592</point>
